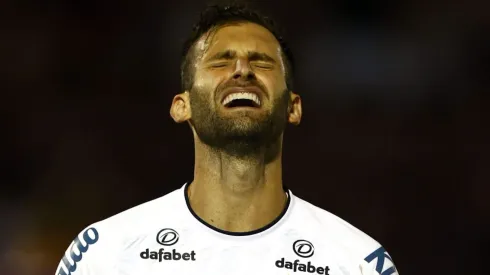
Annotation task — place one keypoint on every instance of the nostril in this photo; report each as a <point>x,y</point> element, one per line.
<point>251,76</point>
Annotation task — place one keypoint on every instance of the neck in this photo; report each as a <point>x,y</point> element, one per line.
<point>236,193</point>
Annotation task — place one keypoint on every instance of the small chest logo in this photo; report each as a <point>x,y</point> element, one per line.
<point>167,237</point>
<point>303,249</point>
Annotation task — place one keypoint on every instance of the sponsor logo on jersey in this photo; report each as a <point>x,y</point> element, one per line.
<point>303,249</point>
<point>76,251</point>
<point>381,255</point>
<point>167,237</point>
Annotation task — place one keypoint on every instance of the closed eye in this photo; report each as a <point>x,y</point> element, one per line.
<point>263,65</point>
<point>219,65</point>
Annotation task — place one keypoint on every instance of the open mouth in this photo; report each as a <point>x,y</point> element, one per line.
<point>241,100</point>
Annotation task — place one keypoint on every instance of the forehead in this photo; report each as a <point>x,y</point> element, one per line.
<point>240,37</point>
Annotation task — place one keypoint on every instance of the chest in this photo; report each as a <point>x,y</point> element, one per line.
<point>175,255</point>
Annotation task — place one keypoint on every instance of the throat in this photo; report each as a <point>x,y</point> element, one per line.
<point>236,193</point>
<point>236,210</point>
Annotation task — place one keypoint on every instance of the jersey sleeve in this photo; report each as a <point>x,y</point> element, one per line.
<point>378,262</point>
<point>84,255</point>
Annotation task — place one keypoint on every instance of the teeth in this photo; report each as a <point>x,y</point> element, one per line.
<point>234,96</point>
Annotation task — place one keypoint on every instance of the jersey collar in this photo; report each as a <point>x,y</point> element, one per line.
<point>248,233</point>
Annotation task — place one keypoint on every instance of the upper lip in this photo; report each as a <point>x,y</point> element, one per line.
<point>247,89</point>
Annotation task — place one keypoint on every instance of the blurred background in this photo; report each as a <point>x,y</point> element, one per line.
<point>394,138</point>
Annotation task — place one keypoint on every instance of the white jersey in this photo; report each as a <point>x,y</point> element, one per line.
<point>164,236</point>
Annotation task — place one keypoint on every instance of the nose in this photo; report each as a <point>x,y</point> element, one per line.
<point>243,70</point>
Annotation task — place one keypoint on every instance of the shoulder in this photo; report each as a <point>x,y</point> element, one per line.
<point>103,239</point>
<point>367,251</point>
<point>141,216</point>
<point>329,224</point>
<point>138,219</point>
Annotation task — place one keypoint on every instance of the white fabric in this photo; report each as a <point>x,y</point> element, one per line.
<point>164,237</point>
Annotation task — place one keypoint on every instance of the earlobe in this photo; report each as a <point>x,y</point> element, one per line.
<point>180,110</point>
<point>295,110</point>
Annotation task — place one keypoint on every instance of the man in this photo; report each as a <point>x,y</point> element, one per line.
<point>235,216</point>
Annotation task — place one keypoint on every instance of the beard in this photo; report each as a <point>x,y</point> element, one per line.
<point>241,134</point>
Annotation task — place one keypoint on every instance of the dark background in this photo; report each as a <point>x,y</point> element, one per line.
<point>394,138</point>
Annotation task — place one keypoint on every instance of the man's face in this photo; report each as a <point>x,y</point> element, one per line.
<point>239,99</point>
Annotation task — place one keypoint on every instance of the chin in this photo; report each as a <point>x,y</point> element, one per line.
<point>246,118</point>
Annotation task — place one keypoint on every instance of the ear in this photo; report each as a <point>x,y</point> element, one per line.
<point>180,110</point>
<point>295,111</point>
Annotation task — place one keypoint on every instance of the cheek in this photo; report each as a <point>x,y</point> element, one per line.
<point>201,82</point>
<point>275,83</point>
<point>207,81</point>
<point>204,86</point>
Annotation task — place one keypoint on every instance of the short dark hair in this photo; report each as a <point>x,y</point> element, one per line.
<point>219,15</point>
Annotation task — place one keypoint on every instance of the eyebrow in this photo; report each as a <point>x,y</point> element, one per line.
<point>256,56</point>
<point>252,56</point>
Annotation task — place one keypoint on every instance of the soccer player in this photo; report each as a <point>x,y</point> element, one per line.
<point>235,216</point>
